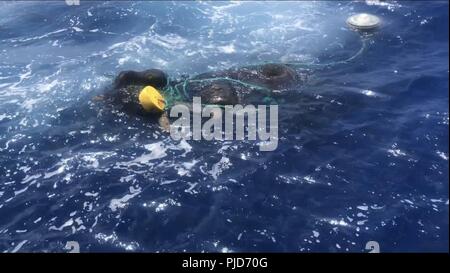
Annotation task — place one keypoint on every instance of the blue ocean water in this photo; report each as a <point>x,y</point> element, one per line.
<point>363,145</point>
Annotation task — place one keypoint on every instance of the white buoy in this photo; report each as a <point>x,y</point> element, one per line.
<point>364,21</point>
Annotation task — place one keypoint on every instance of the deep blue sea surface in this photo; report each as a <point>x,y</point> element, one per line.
<point>363,145</point>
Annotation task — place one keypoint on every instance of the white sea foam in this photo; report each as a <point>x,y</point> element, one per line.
<point>220,167</point>
<point>442,155</point>
<point>68,223</point>
<point>19,246</point>
<point>123,201</point>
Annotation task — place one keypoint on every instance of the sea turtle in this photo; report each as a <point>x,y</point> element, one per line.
<point>245,85</point>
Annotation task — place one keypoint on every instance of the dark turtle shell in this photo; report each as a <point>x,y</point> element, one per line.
<point>153,77</point>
